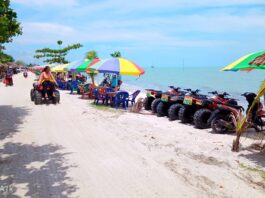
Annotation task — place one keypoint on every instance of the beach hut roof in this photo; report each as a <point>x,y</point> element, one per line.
<point>260,60</point>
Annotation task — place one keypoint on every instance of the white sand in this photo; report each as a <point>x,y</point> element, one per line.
<point>75,150</point>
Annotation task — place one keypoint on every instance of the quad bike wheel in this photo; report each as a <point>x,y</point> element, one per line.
<point>154,105</point>
<point>37,98</point>
<point>56,99</point>
<point>162,109</point>
<point>32,95</point>
<point>186,114</point>
<point>147,103</point>
<point>173,112</point>
<point>218,125</point>
<point>201,118</point>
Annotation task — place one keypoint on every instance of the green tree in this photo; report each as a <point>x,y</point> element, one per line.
<point>56,55</point>
<point>21,62</point>
<point>91,55</point>
<point>116,54</point>
<point>5,58</point>
<point>9,27</point>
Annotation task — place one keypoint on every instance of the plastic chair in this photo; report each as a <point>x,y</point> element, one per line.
<point>61,84</point>
<point>99,95</point>
<point>132,97</point>
<point>121,98</point>
<point>74,86</point>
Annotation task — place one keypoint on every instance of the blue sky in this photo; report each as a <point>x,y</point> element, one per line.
<point>149,32</point>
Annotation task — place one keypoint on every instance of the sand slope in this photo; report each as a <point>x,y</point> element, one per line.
<point>75,150</point>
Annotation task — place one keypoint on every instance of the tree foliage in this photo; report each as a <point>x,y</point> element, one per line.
<point>5,58</point>
<point>116,54</point>
<point>91,55</point>
<point>21,62</point>
<point>56,55</point>
<point>9,26</point>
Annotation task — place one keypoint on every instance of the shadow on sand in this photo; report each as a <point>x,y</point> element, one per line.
<point>10,119</point>
<point>30,170</point>
<point>39,170</point>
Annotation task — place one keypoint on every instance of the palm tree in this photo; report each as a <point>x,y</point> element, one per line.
<point>91,55</point>
<point>116,54</point>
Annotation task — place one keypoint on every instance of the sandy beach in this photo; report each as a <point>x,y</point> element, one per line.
<point>76,150</point>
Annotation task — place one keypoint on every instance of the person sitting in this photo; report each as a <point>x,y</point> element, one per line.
<point>114,82</point>
<point>106,81</point>
<point>47,80</point>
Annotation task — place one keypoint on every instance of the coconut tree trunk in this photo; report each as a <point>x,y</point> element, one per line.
<point>92,76</point>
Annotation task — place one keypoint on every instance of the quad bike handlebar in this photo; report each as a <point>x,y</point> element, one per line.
<point>220,94</point>
<point>177,89</point>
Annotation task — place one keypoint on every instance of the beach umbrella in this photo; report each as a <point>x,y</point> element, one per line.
<point>59,68</point>
<point>119,66</point>
<point>248,62</point>
<point>84,66</point>
<point>73,65</point>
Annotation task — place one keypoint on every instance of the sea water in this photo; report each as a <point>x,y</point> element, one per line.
<point>204,78</point>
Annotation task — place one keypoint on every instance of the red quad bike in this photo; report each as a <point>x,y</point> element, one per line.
<point>191,103</point>
<point>168,99</point>
<point>225,118</point>
<point>151,95</point>
<point>207,106</point>
<point>37,95</point>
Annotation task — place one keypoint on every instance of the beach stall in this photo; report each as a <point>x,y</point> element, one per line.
<point>247,63</point>
<point>116,66</point>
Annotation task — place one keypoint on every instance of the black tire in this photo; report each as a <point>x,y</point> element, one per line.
<point>217,127</point>
<point>147,103</point>
<point>154,105</point>
<point>162,109</point>
<point>56,99</point>
<point>173,112</point>
<point>32,95</point>
<point>201,117</point>
<point>37,98</point>
<point>186,114</point>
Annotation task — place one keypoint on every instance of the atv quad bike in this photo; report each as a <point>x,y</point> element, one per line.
<point>151,95</point>
<point>202,115</point>
<point>167,100</point>
<point>38,97</point>
<point>191,103</point>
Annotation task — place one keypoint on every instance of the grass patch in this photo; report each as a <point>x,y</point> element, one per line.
<point>106,108</point>
<point>254,169</point>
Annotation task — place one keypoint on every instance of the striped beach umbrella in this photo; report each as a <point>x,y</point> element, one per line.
<point>59,68</point>
<point>84,66</point>
<point>73,65</point>
<point>119,66</point>
<point>247,62</point>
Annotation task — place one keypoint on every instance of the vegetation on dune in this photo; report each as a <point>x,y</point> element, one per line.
<point>56,55</point>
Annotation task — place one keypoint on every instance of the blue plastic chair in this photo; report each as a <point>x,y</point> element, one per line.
<point>121,98</point>
<point>61,84</point>
<point>132,97</point>
<point>74,86</point>
<point>99,95</point>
